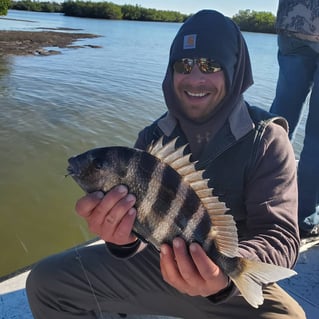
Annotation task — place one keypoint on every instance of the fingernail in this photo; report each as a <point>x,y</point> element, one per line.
<point>176,243</point>
<point>132,211</point>
<point>163,250</point>
<point>99,195</point>
<point>130,198</point>
<point>122,189</point>
<point>193,247</point>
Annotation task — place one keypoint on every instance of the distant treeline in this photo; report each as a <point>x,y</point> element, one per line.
<point>100,10</point>
<point>253,21</point>
<point>247,20</point>
<point>28,5</point>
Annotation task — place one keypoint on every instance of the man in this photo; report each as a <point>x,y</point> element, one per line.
<point>250,162</point>
<point>298,58</point>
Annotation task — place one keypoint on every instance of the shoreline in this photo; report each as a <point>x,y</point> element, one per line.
<point>35,42</point>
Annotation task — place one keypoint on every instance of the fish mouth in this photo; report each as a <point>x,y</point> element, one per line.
<point>72,169</point>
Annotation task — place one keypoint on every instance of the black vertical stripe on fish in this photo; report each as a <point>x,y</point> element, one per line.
<point>145,164</point>
<point>203,228</point>
<point>190,205</point>
<point>165,230</point>
<point>189,231</point>
<point>168,190</point>
<point>123,158</point>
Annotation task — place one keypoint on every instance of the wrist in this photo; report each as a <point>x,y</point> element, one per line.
<point>223,293</point>
<point>123,251</point>
<point>228,284</point>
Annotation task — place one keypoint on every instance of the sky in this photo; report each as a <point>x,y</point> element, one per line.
<point>227,7</point>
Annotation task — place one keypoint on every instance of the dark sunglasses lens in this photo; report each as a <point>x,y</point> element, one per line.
<point>208,66</point>
<point>183,66</point>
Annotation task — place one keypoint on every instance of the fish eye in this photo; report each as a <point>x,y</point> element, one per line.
<point>97,163</point>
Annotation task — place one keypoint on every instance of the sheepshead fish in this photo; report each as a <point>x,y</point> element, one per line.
<point>173,200</point>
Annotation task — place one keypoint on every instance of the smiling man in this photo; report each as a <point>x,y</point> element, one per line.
<point>249,161</point>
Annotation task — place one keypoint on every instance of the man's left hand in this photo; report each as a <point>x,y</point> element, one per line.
<point>191,271</point>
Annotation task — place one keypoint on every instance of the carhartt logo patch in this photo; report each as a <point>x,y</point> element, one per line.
<point>189,41</point>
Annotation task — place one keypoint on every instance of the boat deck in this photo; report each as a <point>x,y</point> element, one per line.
<point>304,288</point>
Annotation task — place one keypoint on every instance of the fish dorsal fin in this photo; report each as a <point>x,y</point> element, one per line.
<point>224,230</point>
<point>162,151</point>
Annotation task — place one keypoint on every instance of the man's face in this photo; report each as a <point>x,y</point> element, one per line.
<point>199,93</point>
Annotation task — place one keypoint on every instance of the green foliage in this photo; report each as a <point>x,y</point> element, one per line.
<point>100,10</point>
<point>160,15</point>
<point>4,6</point>
<point>254,21</point>
<point>38,6</point>
<point>246,19</point>
<point>109,10</point>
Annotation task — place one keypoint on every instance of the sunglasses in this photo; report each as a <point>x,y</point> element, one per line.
<point>185,66</point>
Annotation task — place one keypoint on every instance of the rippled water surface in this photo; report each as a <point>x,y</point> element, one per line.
<point>57,106</point>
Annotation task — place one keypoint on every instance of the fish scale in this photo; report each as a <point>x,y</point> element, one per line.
<point>174,200</point>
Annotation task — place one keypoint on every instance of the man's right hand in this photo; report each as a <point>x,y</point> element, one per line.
<point>110,216</point>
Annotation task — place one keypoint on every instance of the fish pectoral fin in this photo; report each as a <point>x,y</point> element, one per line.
<point>254,275</point>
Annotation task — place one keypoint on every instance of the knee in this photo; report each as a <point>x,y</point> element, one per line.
<point>40,278</point>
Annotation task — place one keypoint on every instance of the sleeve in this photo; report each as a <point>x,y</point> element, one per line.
<point>272,202</point>
<point>125,251</point>
<point>141,142</point>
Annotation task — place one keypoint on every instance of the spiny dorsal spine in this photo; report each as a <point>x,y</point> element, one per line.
<point>224,230</point>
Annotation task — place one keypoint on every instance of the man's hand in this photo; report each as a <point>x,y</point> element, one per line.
<point>110,216</point>
<point>193,272</point>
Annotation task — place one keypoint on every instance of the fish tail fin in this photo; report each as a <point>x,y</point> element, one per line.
<point>254,275</point>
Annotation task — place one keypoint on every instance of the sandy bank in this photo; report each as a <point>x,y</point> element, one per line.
<point>35,42</point>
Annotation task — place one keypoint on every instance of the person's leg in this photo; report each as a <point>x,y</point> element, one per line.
<point>88,282</point>
<point>277,305</point>
<point>308,168</point>
<point>296,68</point>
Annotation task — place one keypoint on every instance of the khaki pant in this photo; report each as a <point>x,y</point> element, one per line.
<point>87,282</point>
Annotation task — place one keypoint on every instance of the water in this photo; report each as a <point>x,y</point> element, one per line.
<point>57,106</point>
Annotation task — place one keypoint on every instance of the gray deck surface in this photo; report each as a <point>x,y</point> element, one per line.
<point>304,288</point>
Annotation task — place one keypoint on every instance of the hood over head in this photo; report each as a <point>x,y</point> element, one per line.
<point>209,34</point>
